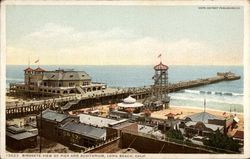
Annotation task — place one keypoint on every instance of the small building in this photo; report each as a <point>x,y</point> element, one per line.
<point>76,134</point>
<point>50,122</point>
<point>126,109</point>
<point>112,126</point>
<point>201,129</point>
<point>19,139</point>
<point>202,124</point>
<point>130,103</point>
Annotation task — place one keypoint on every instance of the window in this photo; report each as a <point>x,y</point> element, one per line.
<point>71,84</point>
<point>71,76</point>
<point>85,83</point>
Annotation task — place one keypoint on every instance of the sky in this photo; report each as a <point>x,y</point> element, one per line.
<point>123,35</point>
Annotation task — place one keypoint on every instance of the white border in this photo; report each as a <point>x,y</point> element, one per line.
<point>244,3</point>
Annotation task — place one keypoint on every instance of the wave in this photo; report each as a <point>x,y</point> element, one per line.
<point>207,100</point>
<point>212,92</point>
<point>14,79</point>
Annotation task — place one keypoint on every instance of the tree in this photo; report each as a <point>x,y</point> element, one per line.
<point>175,134</point>
<point>222,141</point>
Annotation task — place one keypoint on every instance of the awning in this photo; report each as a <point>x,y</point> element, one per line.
<point>133,105</point>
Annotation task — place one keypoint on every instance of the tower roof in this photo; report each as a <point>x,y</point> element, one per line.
<point>129,100</point>
<point>39,69</point>
<point>161,66</point>
<point>28,69</point>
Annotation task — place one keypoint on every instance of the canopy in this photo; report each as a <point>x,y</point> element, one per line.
<point>130,102</point>
<point>133,105</point>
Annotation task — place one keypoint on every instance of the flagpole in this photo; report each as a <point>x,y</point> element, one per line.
<point>29,62</point>
<point>205,104</point>
<point>38,61</point>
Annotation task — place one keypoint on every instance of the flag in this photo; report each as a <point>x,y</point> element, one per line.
<point>37,61</point>
<point>159,55</point>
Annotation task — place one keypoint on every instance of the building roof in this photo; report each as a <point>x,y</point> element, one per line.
<point>95,120</point>
<point>145,129</point>
<point>66,75</point>
<point>239,134</point>
<point>118,123</point>
<point>161,67</point>
<point>85,130</point>
<point>170,115</point>
<point>202,116</point>
<point>129,102</point>
<point>53,115</point>
<point>28,69</point>
<point>210,126</point>
<point>133,105</point>
<point>20,136</point>
<point>14,129</point>
<point>39,69</point>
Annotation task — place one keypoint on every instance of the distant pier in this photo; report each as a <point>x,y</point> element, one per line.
<point>110,95</point>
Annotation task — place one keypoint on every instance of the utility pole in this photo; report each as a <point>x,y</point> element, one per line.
<point>41,112</point>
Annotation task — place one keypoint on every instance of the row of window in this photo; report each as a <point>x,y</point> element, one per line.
<point>60,85</point>
<point>53,91</point>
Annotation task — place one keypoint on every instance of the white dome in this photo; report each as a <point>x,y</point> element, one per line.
<point>129,100</point>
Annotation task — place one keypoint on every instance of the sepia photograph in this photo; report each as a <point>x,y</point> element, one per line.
<point>124,79</point>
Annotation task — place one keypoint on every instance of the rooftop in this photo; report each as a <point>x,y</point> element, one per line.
<point>39,69</point>
<point>202,116</point>
<point>20,136</point>
<point>28,69</point>
<point>239,134</point>
<point>161,66</point>
<point>85,130</point>
<point>53,115</point>
<point>66,75</point>
<point>130,102</point>
<point>210,126</point>
<point>145,129</point>
<point>95,120</point>
<point>14,129</point>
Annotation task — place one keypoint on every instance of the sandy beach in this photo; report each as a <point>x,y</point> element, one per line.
<point>181,112</point>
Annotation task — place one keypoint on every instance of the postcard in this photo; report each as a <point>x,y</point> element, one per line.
<point>124,79</point>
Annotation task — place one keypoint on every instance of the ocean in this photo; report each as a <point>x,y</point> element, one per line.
<point>225,96</point>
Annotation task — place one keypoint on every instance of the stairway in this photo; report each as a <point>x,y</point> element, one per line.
<point>69,104</point>
<point>79,89</point>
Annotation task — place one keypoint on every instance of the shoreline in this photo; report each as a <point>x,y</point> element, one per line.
<point>208,109</point>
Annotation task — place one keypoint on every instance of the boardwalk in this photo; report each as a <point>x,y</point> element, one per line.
<point>112,95</point>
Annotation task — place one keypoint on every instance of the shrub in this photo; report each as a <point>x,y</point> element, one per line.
<point>222,141</point>
<point>175,134</point>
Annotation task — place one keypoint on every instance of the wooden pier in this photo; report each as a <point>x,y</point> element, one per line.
<point>110,95</point>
